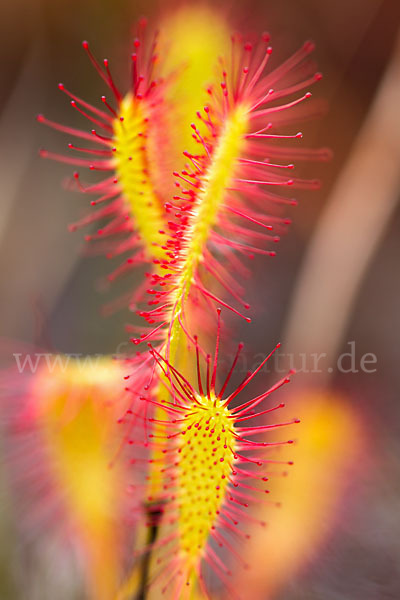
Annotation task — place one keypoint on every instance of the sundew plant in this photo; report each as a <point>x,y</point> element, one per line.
<point>159,466</point>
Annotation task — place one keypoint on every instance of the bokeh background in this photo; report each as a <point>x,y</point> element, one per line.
<point>335,280</point>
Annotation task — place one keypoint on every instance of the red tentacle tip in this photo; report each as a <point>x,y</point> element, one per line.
<point>309,46</point>
<point>85,44</point>
<point>61,86</point>
<point>40,118</point>
<point>325,154</point>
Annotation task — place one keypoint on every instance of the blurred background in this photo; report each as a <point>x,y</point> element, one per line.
<point>334,287</point>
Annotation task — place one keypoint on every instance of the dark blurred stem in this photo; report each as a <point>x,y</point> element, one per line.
<point>154,515</point>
